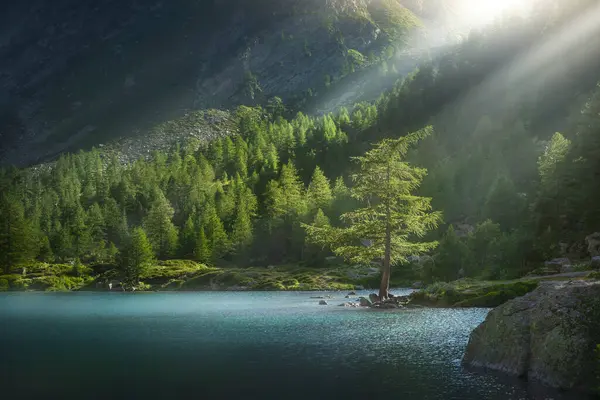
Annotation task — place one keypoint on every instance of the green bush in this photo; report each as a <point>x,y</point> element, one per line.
<point>290,283</point>
<point>4,286</point>
<point>59,283</point>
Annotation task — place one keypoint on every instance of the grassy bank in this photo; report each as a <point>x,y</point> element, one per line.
<point>472,293</point>
<point>188,276</point>
<point>477,293</point>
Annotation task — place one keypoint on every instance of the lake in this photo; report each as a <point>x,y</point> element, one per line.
<point>259,345</point>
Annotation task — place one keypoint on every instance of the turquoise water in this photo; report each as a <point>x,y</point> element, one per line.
<point>261,345</point>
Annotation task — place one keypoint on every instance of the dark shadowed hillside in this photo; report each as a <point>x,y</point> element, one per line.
<point>76,73</point>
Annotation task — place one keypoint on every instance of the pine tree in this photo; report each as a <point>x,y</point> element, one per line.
<point>62,242</point>
<point>137,256</point>
<point>45,253</point>
<point>392,216</point>
<point>110,253</point>
<point>80,233</point>
<point>241,235</point>
<point>319,191</point>
<point>313,253</point>
<point>202,252</point>
<point>453,256</point>
<point>482,243</point>
<point>95,223</point>
<point>161,231</point>
<point>15,234</point>
<point>115,220</point>
<point>288,199</point>
<point>225,201</point>
<point>188,237</point>
<point>216,235</point>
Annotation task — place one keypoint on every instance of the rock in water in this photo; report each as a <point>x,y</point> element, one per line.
<point>364,302</point>
<point>547,335</point>
<point>373,298</point>
<point>322,303</point>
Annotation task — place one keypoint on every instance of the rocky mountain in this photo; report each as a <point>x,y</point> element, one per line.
<point>79,73</point>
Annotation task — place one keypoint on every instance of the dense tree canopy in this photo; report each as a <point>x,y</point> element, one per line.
<point>510,187</point>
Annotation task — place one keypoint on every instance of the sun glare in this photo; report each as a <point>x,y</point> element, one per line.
<point>484,11</point>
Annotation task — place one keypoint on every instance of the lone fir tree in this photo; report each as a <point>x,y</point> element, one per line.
<point>393,219</point>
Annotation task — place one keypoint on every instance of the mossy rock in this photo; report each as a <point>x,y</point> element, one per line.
<point>469,293</point>
<point>172,285</point>
<point>233,279</point>
<point>201,281</point>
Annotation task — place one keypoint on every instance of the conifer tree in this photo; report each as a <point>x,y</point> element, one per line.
<point>202,252</point>
<point>453,255</point>
<point>95,223</point>
<point>188,237</point>
<point>137,256</point>
<point>319,191</point>
<point>216,235</point>
<point>392,216</point>
<point>15,234</point>
<point>62,242</point>
<point>314,253</point>
<point>287,197</point>
<point>45,252</point>
<point>241,235</point>
<point>161,231</point>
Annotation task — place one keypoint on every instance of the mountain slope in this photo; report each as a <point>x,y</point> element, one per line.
<point>76,73</point>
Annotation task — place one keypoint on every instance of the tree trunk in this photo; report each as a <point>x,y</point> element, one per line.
<point>386,271</point>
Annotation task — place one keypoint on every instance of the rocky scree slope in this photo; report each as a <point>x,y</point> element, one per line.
<point>78,73</point>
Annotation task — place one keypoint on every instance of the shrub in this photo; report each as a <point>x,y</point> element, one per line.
<point>4,286</point>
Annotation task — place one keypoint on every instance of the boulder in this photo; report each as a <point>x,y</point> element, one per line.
<point>593,244</point>
<point>565,269</point>
<point>555,266</point>
<point>595,263</point>
<point>353,293</point>
<point>373,298</point>
<point>322,303</point>
<point>547,335</point>
<point>558,261</point>
<point>364,302</point>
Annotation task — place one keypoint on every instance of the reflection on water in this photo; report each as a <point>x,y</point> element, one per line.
<point>245,345</point>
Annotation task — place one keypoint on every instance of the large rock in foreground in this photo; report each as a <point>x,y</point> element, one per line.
<point>547,335</point>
